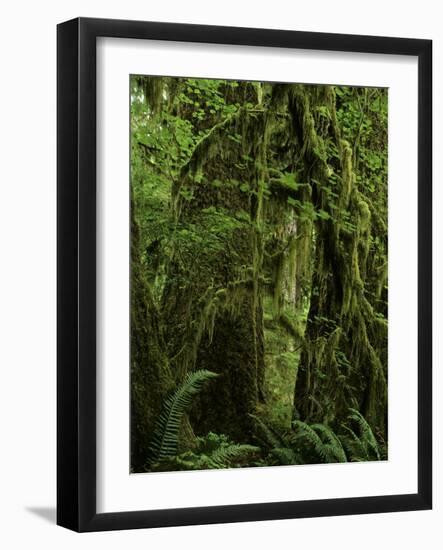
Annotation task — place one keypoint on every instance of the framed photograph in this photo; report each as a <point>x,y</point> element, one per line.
<point>244,274</point>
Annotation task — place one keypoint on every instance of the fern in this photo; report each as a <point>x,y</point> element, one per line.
<point>363,447</point>
<point>285,456</point>
<point>225,457</point>
<point>214,451</point>
<point>165,438</point>
<point>355,448</point>
<point>309,443</point>
<point>333,447</point>
<point>305,431</point>
<point>267,436</point>
<point>324,441</point>
<point>366,432</point>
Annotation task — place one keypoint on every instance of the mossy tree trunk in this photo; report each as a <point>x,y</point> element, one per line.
<point>212,299</point>
<point>343,362</point>
<point>254,197</point>
<point>150,375</point>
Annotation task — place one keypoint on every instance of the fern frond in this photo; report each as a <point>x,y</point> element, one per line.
<point>284,456</point>
<point>367,435</point>
<point>333,447</point>
<point>165,438</point>
<point>305,430</point>
<point>227,456</point>
<point>324,441</point>
<point>355,450</point>
<point>269,436</point>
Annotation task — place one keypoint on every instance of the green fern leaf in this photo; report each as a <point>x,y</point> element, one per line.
<point>285,456</point>
<point>224,457</point>
<point>367,435</point>
<point>268,436</point>
<point>165,438</point>
<point>354,447</point>
<point>305,431</point>
<point>333,449</point>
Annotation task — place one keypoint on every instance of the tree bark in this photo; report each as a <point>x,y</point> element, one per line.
<point>215,318</point>
<point>150,374</point>
<point>343,363</point>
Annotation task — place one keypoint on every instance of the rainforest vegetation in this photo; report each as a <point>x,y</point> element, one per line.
<point>258,274</point>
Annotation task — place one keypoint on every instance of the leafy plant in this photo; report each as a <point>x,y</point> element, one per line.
<point>312,443</point>
<point>214,451</point>
<point>259,249</point>
<point>363,447</point>
<point>322,438</point>
<point>165,438</point>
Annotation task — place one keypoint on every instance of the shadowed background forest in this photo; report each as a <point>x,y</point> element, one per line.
<point>258,274</point>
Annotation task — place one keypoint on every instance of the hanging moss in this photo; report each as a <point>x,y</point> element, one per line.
<point>273,267</point>
<point>151,378</point>
<point>341,253</point>
<point>216,321</point>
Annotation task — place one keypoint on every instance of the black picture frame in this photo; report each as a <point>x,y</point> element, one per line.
<point>76,278</point>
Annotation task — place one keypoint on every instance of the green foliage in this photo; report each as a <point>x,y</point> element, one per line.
<point>215,451</point>
<point>318,443</point>
<point>324,441</point>
<point>165,438</point>
<point>260,215</point>
<point>362,447</point>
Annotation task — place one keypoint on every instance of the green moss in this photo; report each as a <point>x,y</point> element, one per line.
<point>340,259</point>
<point>272,266</point>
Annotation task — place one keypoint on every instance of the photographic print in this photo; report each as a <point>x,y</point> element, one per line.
<point>226,273</point>
<point>259,274</point>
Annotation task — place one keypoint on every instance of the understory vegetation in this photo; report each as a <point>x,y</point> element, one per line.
<point>259,274</point>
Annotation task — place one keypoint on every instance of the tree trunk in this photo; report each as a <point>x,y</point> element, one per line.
<point>150,375</point>
<point>342,363</point>
<point>212,300</point>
